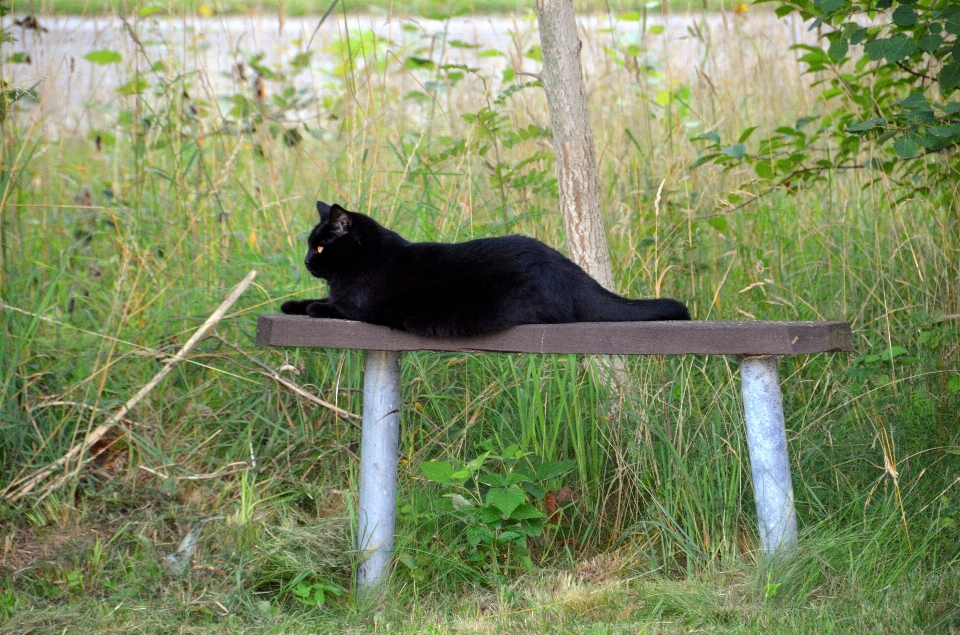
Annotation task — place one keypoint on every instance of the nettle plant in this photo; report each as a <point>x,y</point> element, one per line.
<point>519,165</point>
<point>889,72</point>
<point>495,499</point>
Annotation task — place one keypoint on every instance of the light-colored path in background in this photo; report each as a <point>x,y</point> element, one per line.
<point>74,93</point>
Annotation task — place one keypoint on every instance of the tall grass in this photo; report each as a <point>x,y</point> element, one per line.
<point>117,244</point>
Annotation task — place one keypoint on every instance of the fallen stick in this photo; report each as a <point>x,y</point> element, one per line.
<point>18,489</point>
<point>274,375</point>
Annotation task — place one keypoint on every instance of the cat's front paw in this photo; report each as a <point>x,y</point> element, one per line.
<point>295,307</point>
<point>318,310</point>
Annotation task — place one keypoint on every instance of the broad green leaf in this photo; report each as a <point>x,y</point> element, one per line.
<point>815,58</point>
<point>953,383</point>
<point>490,515</point>
<point>746,134</point>
<point>103,57</point>
<point>764,170</point>
<point>930,42</point>
<point>506,499</point>
<point>704,159</point>
<point>906,148</point>
<point>914,101</point>
<point>302,590</point>
<point>946,132</point>
<point>828,6</point>
<point>719,223</point>
<point>708,136</point>
<point>515,478</point>
<point>838,49</point>
<point>904,16</point>
<point>736,151</point>
<point>865,126</point>
<point>952,25</point>
<point>477,535</point>
<point>526,511</point>
<point>949,77</point>
<point>133,87</point>
<point>656,29</point>
<point>493,480</point>
<point>874,49</point>
<point>460,475</point>
<point>630,16</point>
<point>553,469</point>
<point>490,53</point>
<point>149,10</point>
<point>536,490</point>
<point>886,136</point>
<point>534,53</point>
<point>898,48</point>
<point>893,352</point>
<point>438,471</point>
<point>415,63</point>
<point>532,527</point>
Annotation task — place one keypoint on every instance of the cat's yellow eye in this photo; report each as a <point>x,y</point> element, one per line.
<point>319,249</point>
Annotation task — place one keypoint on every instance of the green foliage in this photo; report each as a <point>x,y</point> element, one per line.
<point>495,499</point>
<point>122,239</point>
<point>103,57</point>
<point>888,75</point>
<point>10,94</point>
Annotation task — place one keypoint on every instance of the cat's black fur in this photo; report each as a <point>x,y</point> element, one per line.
<point>455,290</point>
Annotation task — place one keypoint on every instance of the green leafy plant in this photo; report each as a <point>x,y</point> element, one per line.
<point>314,593</point>
<point>888,72</point>
<point>10,94</point>
<point>493,497</point>
<point>876,367</point>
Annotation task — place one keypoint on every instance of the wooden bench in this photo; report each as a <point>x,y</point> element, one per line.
<point>757,345</point>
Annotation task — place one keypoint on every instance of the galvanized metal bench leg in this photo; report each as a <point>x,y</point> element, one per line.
<point>769,463</point>
<point>378,467</point>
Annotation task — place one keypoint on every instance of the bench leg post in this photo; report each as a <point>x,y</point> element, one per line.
<point>769,462</point>
<point>379,442</point>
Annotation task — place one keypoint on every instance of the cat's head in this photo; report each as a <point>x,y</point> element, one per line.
<point>322,246</point>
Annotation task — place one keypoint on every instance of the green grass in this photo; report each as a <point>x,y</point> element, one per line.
<point>124,250</point>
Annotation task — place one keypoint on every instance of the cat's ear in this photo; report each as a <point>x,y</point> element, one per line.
<point>324,210</point>
<point>340,221</point>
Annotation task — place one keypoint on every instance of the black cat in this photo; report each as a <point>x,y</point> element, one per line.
<point>457,290</point>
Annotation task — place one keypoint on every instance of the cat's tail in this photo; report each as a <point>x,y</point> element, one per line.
<point>610,307</point>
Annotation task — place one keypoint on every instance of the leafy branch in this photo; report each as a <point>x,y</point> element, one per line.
<point>889,88</point>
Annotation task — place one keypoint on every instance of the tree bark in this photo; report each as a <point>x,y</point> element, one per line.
<point>562,80</point>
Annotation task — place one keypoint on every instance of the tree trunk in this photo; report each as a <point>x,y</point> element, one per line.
<point>562,81</point>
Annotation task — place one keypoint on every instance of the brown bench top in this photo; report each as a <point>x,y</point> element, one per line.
<point>592,338</point>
